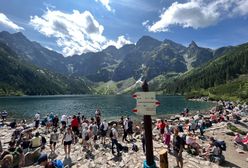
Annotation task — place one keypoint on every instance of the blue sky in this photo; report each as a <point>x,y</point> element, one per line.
<point>78,26</point>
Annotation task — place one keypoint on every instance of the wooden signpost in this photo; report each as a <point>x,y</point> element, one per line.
<point>146,105</point>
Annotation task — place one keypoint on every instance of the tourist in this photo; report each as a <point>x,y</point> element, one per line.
<point>178,148</point>
<point>7,161</point>
<point>35,141</point>
<point>167,137</point>
<point>69,120</point>
<point>54,137</point>
<point>37,120</point>
<point>4,115</point>
<point>43,161</point>
<point>114,139</point>
<point>237,139</point>
<point>56,122</point>
<point>125,130</point>
<point>191,142</point>
<point>193,125</point>
<point>17,154</point>
<point>161,128</point>
<point>75,125</point>
<point>103,131</point>
<point>79,118</point>
<point>85,136</point>
<point>90,139</point>
<point>63,122</point>
<point>95,131</point>
<point>67,141</point>
<point>130,129</point>
<point>98,117</point>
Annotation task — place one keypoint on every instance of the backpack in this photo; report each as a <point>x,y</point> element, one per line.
<point>102,127</point>
<point>130,124</point>
<point>58,164</point>
<point>86,138</point>
<point>135,147</point>
<point>111,134</point>
<point>221,145</point>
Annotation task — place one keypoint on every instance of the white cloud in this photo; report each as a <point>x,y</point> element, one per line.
<point>4,20</point>
<point>119,43</point>
<point>199,13</point>
<point>75,32</point>
<point>105,3</point>
<point>145,23</point>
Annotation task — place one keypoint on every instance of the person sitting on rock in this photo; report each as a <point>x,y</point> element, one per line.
<point>17,153</point>
<point>237,139</point>
<point>7,161</point>
<point>35,141</point>
<point>191,142</point>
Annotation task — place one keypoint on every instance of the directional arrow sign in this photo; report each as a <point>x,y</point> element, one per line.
<point>146,103</point>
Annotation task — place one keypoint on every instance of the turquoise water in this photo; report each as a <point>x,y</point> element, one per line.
<point>111,106</point>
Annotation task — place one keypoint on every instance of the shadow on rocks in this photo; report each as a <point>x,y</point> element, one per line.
<point>67,162</point>
<point>89,155</point>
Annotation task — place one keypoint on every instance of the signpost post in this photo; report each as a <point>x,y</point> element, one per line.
<point>146,105</point>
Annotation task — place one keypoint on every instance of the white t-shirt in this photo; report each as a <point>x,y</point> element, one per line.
<point>37,117</point>
<point>63,118</point>
<point>105,126</point>
<point>68,137</point>
<point>125,124</point>
<point>84,125</point>
<point>115,133</point>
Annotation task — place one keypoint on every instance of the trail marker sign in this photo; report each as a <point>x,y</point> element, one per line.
<point>146,103</point>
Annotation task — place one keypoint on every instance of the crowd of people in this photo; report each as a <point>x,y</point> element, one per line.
<point>186,133</point>
<point>177,135</point>
<point>67,130</point>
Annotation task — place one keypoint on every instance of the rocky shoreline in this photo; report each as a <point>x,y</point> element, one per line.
<point>101,157</point>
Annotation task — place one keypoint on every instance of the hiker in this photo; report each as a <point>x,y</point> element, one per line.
<point>67,141</point>
<point>17,153</point>
<point>167,137</point>
<point>54,137</point>
<point>130,128</point>
<point>4,115</point>
<point>114,139</point>
<point>56,121</point>
<point>98,117</point>
<point>75,125</point>
<point>161,128</point>
<point>178,148</point>
<point>63,122</point>
<point>125,129</point>
<point>103,131</point>
<point>35,141</point>
<point>37,120</point>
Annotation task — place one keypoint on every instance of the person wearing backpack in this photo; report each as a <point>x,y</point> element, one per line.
<point>178,148</point>
<point>103,131</point>
<point>114,136</point>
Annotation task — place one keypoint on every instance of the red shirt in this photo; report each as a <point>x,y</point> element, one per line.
<point>162,125</point>
<point>74,122</point>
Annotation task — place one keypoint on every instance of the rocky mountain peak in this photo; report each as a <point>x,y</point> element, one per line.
<point>193,45</point>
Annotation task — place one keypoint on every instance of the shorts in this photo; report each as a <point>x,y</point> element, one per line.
<point>52,143</point>
<point>67,143</point>
<point>178,155</point>
<point>63,123</point>
<point>103,133</point>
